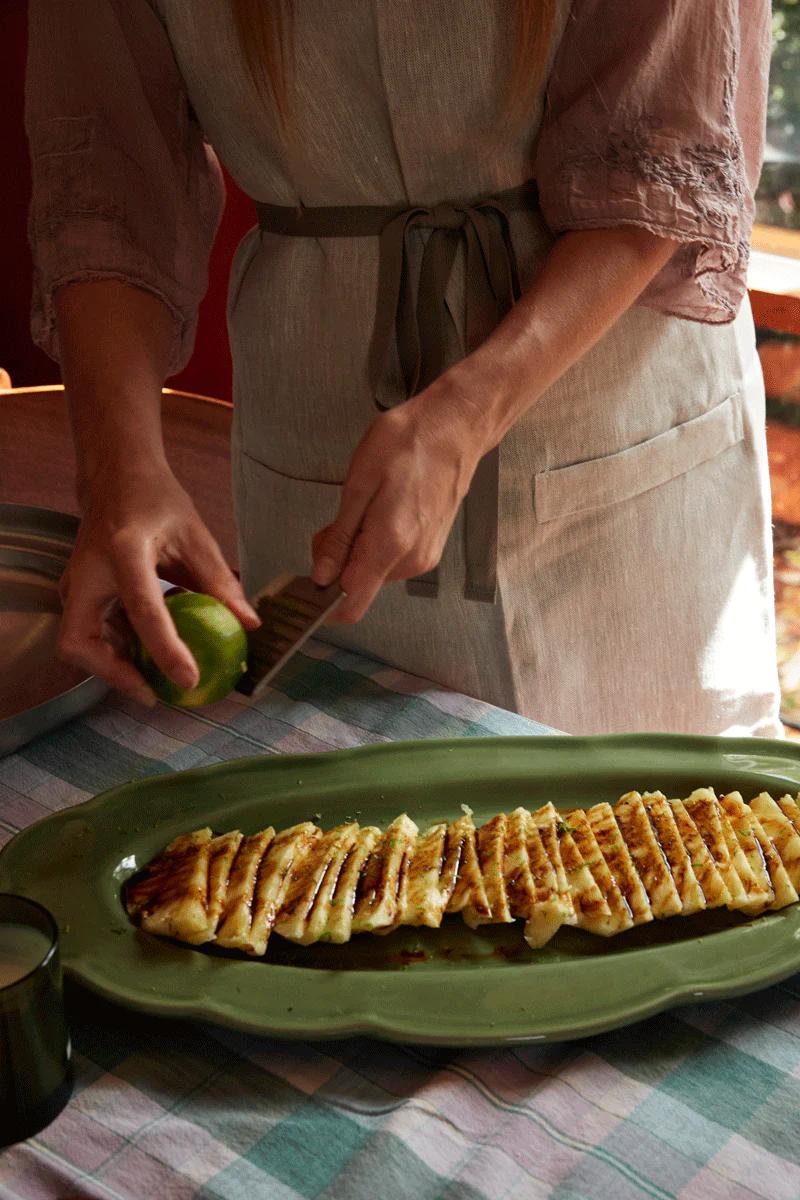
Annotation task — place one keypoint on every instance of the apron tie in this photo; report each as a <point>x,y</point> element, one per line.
<point>417,322</point>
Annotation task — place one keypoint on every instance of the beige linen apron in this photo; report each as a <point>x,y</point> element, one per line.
<point>634,569</point>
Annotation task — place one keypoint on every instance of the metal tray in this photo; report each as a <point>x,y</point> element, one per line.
<point>37,691</point>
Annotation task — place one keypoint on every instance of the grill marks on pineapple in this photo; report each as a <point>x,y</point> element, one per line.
<point>668,837</point>
<point>702,807</point>
<point>236,919</point>
<point>343,903</point>
<point>602,869</point>
<point>468,890</point>
<point>423,898</point>
<point>746,852</point>
<point>306,906</point>
<point>648,859</point>
<point>491,848</point>
<point>713,885</point>
<point>287,851</point>
<point>583,834</point>
<point>781,832</point>
<point>380,888</point>
<point>170,895</point>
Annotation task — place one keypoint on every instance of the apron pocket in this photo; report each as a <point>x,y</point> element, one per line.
<point>621,476</point>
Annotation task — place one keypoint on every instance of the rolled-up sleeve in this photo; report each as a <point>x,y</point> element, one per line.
<point>655,117</point>
<point>124,185</point>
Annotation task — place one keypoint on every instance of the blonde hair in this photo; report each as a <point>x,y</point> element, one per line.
<point>264,31</point>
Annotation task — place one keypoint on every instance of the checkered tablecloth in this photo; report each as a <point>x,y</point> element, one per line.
<point>702,1103</point>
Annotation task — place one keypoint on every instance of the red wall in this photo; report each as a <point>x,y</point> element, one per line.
<point>209,370</point>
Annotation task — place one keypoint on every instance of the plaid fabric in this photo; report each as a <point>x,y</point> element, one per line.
<point>698,1104</point>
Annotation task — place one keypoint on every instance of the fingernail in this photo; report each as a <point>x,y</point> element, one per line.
<point>144,696</point>
<point>325,571</point>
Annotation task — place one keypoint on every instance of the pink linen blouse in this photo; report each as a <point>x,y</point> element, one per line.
<point>654,117</point>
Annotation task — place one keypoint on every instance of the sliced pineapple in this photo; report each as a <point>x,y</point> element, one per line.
<point>490,843</point>
<point>669,840</point>
<point>468,890</point>
<point>170,896</point>
<point>744,846</point>
<point>782,886</point>
<point>423,900</point>
<point>343,903</point>
<point>551,907</point>
<point>303,917</point>
<point>713,885</point>
<point>233,931</point>
<point>586,842</point>
<point>517,877</point>
<point>548,824</point>
<point>707,815</point>
<point>615,852</point>
<point>223,853</point>
<point>381,885</point>
<point>282,862</point>
<point>602,869</point>
<point>781,832</point>
<point>648,858</point>
<point>789,807</point>
<point>591,910</point>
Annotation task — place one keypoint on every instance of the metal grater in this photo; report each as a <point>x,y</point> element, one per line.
<point>290,608</point>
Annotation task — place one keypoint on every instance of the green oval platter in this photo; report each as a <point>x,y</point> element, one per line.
<point>450,986</point>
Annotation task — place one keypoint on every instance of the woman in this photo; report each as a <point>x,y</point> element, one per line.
<point>609,568</point>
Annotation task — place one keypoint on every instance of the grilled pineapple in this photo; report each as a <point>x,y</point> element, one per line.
<point>781,832</point>
<point>648,859</point>
<point>603,869</point>
<point>670,843</point>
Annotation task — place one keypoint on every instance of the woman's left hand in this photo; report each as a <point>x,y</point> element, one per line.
<point>406,480</point>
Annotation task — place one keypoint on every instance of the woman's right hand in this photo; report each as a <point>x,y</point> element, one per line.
<point>135,521</point>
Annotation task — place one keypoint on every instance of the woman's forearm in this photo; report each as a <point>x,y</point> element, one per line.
<point>115,344</point>
<point>137,521</point>
<point>589,279</point>
<point>414,465</point>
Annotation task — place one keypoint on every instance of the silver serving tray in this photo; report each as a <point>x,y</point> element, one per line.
<point>38,692</point>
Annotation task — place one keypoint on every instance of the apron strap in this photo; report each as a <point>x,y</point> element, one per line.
<point>416,323</point>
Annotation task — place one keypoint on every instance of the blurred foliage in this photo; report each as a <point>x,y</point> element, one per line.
<point>778,200</point>
<point>783,113</point>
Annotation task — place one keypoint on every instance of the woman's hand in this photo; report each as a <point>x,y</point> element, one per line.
<point>415,463</point>
<point>137,520</point>
<point>407,478</point>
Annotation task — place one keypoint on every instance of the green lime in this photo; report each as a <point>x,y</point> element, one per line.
<point>218,644</point>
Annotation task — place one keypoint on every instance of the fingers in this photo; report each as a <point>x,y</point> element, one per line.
<point>141,596</point>
<point>331,546</point>
<point>383,543</point>
<point>82,642</point>
<point>213,576</point>
<point>97,657</point>
<point>367,569</point>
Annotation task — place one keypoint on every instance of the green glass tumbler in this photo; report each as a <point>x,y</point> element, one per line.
<point>35,1057</point>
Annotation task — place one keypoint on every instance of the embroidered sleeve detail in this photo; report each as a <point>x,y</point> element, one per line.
<point>656,125</point>
<point>124,185</point>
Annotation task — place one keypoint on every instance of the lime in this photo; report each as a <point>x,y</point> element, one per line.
<point>218,644</point>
